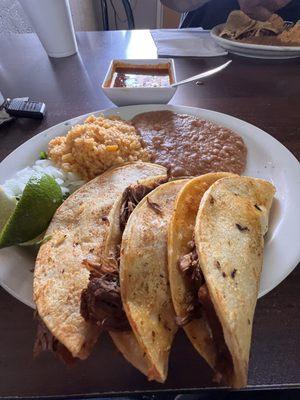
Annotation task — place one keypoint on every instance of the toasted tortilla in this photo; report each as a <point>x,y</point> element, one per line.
<point>126,342</point>
<point>230,225</point>
<point>144,277</point>
<point>76,234</point>
<point>181,231</point>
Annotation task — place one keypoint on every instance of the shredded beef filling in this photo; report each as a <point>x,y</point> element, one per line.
<point>189,267</point>
<point>224,364</point>
<point>201,304</point>
<point>131,198</point>
<point>45,341</point>
<point>101,301</point>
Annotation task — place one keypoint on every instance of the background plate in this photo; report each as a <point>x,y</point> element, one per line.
<point>267,158</point>
<point>254,50</point>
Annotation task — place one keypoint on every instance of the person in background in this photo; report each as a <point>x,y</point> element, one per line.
<point>209,13</point>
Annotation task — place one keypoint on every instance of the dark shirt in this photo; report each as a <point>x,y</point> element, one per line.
<point>215,12</point>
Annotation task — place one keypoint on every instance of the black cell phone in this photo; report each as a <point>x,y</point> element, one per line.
<point>25,108</point>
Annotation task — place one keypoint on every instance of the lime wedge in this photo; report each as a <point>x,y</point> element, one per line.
<point>30,217</point>
<point>8,204</point>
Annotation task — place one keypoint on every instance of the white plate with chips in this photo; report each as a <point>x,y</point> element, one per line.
<point>254,50</point>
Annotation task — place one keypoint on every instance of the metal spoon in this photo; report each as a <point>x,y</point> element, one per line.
<point>202,75</point>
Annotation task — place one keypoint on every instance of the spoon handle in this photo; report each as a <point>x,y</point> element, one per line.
<point>202,75</point>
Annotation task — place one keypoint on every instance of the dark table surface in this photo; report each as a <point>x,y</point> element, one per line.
<point>264,93</point>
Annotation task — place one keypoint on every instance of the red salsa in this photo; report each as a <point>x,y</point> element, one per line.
<point>141,76</point>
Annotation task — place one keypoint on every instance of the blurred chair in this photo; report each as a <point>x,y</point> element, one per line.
<point>127,9</point>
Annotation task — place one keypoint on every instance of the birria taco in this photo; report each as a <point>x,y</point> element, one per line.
<point>76,238</point>
<point>215,243</point>
<point>144,276</point>
<point>101,301</point>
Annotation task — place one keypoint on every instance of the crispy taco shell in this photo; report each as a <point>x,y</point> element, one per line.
<point>180,234</point>
<point>144,277</point>
<point>76,237</point>
<point>126,341</point>
<point>127,344</point>
<point>228,232</point>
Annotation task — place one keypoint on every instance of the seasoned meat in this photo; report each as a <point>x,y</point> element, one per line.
<point>101,303</point>
<point>45,341</point>
<point>200,305</point>
<point>224,364</point>
<point>189,266</point>
<point>131,198</point>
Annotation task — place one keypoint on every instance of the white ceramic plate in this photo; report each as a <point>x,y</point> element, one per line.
<point>254,50</point>
<point>267,159</point>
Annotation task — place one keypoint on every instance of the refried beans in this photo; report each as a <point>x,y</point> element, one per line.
<point>190,146</point>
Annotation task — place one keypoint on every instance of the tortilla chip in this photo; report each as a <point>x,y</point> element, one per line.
<point>274,25</point>
<point>291,35</point>
<point>144,277</point>
<point>237,24</point>
<point>76,234</point>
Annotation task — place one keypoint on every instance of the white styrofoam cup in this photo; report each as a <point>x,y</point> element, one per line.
<point>52,21</point>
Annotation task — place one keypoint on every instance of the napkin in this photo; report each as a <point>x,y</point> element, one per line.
<point>189,42</point>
